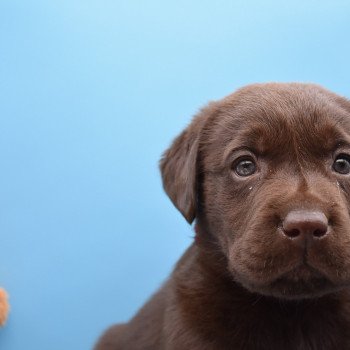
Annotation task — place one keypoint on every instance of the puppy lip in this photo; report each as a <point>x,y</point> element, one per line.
<point>302,280</point>
<point>304,274</point>
<point>303,271</point>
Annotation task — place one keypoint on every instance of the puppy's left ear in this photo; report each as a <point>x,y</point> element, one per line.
<point>179,167</point>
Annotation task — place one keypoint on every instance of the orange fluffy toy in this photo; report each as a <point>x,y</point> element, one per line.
<point>4,307</point>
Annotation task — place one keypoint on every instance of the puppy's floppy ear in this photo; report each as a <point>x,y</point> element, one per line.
<point>179,168</point>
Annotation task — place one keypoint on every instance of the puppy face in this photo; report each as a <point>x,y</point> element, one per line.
<point>266,172</point>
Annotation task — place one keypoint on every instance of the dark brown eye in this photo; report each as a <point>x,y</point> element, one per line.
<point>245,167</point>
<point>342,164</point>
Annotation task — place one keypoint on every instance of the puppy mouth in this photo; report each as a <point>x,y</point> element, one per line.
<point>303,281</point>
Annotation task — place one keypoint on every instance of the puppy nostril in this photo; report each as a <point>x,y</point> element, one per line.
<point>292,233</point>
<point>319,233</point>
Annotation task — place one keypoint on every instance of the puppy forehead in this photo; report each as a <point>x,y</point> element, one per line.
<point>274,118</point>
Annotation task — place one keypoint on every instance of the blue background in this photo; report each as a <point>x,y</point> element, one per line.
<point>91,93</point>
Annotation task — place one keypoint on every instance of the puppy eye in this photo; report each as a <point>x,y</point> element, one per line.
<point>342,164</point>
<point>245,167</point>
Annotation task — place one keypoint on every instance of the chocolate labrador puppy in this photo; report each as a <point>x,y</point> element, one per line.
<point>265,174</point>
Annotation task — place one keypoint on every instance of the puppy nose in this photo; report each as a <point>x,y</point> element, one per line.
<point>305,225</point>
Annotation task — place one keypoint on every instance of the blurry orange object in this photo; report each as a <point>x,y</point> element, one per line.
<point>4,307</point>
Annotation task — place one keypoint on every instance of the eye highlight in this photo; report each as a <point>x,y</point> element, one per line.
<point>244,166</point>
<point>341,164</point>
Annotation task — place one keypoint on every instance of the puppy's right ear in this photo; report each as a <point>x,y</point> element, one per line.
<point>179,168</point>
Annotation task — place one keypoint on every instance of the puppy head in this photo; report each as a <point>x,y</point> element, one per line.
<point>266,171</point>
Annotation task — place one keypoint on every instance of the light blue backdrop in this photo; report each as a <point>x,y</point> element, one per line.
<point>91,93</point>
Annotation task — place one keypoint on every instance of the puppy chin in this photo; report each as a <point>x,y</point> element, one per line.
<point>303,282</point>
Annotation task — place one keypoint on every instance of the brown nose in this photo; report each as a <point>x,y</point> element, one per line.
<point>305,225</point>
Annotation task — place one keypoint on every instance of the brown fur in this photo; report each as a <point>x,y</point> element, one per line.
<point>243,284</point>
